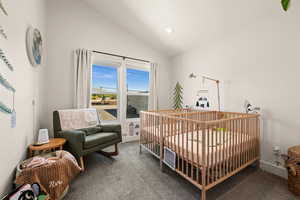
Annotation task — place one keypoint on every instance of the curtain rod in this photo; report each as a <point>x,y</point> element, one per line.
<point>120,56</point>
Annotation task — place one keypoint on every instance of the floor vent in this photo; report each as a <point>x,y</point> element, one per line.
<point>170,158</point>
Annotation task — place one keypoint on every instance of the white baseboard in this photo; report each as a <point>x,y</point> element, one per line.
<point>130,138</point>
<point>273,169</point>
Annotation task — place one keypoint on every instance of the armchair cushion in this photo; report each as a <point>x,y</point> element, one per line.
<point>91,130</point>
<point>74,136</point>
<point>99,139</point>
<point>111,128</point>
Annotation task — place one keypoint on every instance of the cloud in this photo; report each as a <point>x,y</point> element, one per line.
<point>103,76</point>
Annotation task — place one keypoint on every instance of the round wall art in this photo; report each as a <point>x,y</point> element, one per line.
<point>34,46</point>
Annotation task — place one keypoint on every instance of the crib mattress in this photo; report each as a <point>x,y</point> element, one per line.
<point>227,145</point>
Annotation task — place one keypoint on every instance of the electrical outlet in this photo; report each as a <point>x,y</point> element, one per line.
<point>277,155</point>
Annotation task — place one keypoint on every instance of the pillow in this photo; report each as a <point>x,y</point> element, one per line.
<point>91,130</point>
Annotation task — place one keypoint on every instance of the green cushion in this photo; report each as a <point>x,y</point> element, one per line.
<point>98,139</point>
<point>91,130</point>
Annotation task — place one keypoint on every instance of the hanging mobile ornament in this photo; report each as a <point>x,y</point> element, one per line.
<point>13,114</point>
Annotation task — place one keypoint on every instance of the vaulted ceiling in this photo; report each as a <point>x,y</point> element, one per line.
<point>194,22</point>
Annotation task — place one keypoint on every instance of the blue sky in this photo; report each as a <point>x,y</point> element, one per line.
<point>106,77</point>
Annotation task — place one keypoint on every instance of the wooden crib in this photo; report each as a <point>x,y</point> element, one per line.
<point>209,146</point>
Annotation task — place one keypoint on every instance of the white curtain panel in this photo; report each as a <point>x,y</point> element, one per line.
<point>153,101</point>
<point>83,73</point>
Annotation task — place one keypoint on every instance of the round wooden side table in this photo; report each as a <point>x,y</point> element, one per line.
<point>54,144</point>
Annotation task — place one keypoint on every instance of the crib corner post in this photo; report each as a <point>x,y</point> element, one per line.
<point>141,131</point>
<point>203,194</point>
<point>258,164</point>
<point>140,151</point>
<point>161,156</point>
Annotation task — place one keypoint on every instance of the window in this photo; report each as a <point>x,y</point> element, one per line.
<point>120,88</point>
<point>137,91</point>
<point>105,92</point>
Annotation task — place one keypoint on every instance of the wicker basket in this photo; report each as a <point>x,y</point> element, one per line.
<point>293,167</point>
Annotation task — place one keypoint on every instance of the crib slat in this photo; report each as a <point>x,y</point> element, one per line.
<point>203,157</point>
<point>182,146</point>
<point>249,140</point>
<point>204,154</point>
<point>227,147</point>
<point>232,145</point>
<point>215,154</point>
<point>187,149</point>
<point>192,146</point>
<point>241,143</point>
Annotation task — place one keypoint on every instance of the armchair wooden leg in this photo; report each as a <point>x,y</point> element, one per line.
<point>109,154</point>
<point>81,163</point>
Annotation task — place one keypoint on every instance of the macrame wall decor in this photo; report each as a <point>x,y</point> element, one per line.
<point>5,109</point>
<point>5,60</point>
<point>2,32</point>
<point>6,84</point>
<point>2,8</point>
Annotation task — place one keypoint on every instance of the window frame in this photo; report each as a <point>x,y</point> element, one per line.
<point>122,65</point>
<point>115,63</point>
<point>142,66</point>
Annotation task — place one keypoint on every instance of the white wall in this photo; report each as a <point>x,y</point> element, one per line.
<point>73,24</point>
<point>26,80</point>
<point>260,63</point>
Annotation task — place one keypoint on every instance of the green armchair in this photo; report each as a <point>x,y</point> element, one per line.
<point>84,133</point>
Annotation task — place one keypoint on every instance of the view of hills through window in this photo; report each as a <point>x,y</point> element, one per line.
<point>105,90</point>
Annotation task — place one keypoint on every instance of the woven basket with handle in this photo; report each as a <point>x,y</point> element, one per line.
<point>293,167</point>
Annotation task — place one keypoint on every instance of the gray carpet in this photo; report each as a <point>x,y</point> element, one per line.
<point>132,176</point>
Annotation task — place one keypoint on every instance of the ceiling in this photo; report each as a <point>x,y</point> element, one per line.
<point>195,22</point>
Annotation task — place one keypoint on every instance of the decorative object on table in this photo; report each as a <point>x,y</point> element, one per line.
<point>5,109</point>
<point>5,60</point>
<point>2,8</point>
<point>177,98</point>
<point>292,164</point>
<point>250,108</point>
<point>34,43</point>
<point>43,137</point>
<point>54,176</point>
<point>52,145</point>
<point>192,75</point>
<point>285,4</point>
<point>6,84</point>
<point>2,32</point>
